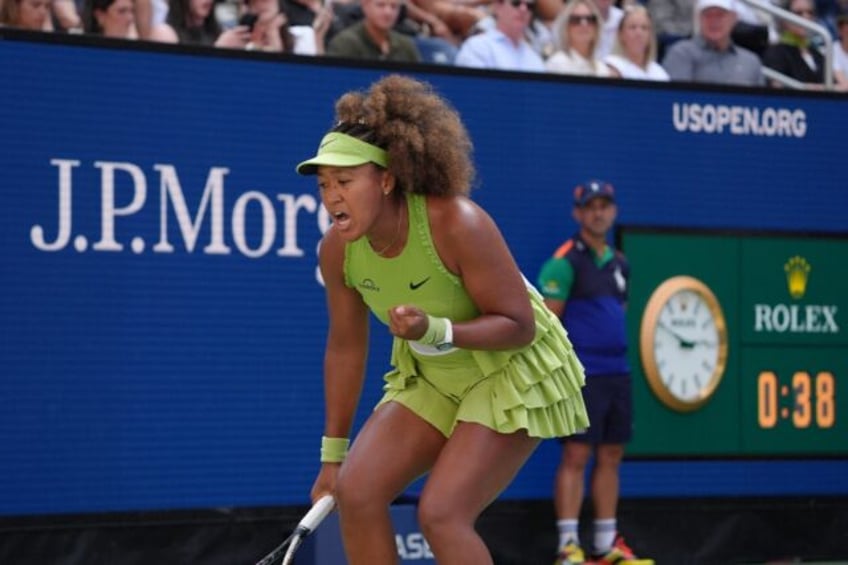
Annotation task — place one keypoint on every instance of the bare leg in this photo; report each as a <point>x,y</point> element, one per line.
<point>475,466</point>
<point>569,488</point>
<point>605,480</point>
<point>393,448</point>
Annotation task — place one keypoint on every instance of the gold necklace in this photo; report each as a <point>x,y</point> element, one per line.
<point>391,244</point>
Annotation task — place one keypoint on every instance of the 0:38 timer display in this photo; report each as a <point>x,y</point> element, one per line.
<point>807,401</point>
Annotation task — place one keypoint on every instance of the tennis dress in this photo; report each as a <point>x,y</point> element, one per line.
<point>536,387</point>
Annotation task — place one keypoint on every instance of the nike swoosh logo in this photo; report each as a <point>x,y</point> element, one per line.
<point>326,143</point>
<point>416,286</point>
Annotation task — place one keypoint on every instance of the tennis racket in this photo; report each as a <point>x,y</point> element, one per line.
<point>306,526</point>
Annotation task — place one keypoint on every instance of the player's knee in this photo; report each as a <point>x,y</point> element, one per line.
<point>434,515</point>
<point>352,491</point>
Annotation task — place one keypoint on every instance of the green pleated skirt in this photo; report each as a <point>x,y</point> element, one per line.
<point>536,388</point>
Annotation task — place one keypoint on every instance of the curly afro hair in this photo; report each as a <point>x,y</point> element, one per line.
<point>429,149</point>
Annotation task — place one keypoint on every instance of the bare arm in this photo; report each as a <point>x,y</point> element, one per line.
<point>472,246</point>
<point>347,341</point>
<point>164,33</point>
<point>144,18</point>
<point>344,356</point>
<point>555,306</point>
<point>67,15</point>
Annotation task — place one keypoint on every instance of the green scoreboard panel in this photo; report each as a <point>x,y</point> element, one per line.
<point>782,386</point>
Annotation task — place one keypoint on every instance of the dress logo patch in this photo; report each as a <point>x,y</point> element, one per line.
<point>416,286</point>
<point>368,284</point>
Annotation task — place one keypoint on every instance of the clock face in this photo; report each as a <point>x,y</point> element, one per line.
<point>683,343</point>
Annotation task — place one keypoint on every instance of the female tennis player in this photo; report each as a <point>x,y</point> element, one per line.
<point>481,369</point>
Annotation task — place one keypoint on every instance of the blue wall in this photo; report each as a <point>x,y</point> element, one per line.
<point>159,356</point>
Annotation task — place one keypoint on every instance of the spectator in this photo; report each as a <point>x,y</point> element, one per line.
<point>538,33</point>
<point>429,23</point>
<point>577,32</point>
<point>840,49</point>
<point>26,14</point>
<point>673,20</point>
<point>303,13</point>
<point>711,56</point>
<point>460,16</point>
<point>374,37</point>
<point>272,31</point>
<point>435,41</point>
<point>634,54</point>
<point>148,15</point>
<point>109,18</point>
<point>66,16</point>
<point>610,18</point>
<point>829,12</point>
<point>503,47</point>
<point>754,29</point>
<point>794,55</point>
<point>192,22</point>
<point>548,10</point>
<point>585,284</point>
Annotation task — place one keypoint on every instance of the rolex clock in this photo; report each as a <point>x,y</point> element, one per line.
<point>683,343</point>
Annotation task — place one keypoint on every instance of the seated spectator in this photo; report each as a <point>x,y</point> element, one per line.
<point>504,46</point>
<point>109,18</point>
<point>271,31</point>
<point>754,29</point>
<point>66,16</point>
<point>428,23</point>
<point>673,21</point>
<point>374,37</point>
<point>794,55</point>
<point>148,15</point>
<point>635,51</point>
<point>538,34</point>
<point>610,18</point>
<point>460,16</point>
<point>577,32</point>
<point>829,12</point>
<point>192,22</point>
<point>840,49</point>
<point>434,41</point>
<point>304,13</point>
<point>711,56</point>
<point>26,14</point>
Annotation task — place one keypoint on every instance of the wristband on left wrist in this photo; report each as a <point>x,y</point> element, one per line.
<point>334,449</point>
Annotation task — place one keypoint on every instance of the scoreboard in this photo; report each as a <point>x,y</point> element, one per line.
<point>759,371</point>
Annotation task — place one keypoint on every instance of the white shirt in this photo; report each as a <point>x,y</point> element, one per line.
<point>304,40</point>
<point>630,70</point>
<point>494,50</point>
<point>572,63</point>
<point>840,58</point>
<point>608,31</point>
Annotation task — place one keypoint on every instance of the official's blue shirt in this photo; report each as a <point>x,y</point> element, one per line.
<point>595,291</point>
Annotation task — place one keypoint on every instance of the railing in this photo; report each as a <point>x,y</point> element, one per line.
<point>818,29</point>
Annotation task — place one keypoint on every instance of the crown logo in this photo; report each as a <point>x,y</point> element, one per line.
<point>797,270</point>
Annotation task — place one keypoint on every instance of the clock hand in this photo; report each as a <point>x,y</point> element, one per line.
<point>684,343</point>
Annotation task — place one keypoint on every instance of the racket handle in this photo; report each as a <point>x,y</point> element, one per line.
<point>316,514</point>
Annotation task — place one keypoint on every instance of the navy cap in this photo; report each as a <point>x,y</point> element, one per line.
<point>588,190</point>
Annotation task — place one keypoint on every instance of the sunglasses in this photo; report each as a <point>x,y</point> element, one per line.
<point>517,3</point>
<point>591,19</point>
